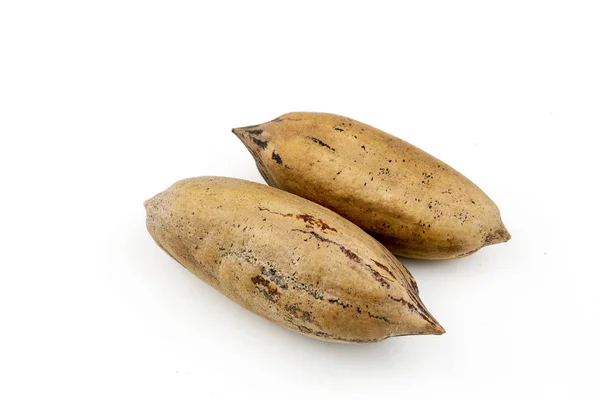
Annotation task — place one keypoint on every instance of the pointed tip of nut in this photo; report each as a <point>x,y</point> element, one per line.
<point>423,328</point>
<point>437,329</point>
<point>251,130</point>
<point>499,235</point>
<point>507,235</point>
<point>237,131</point>
<point>152,201</point>
<point>433,327</point>
<point>425,323</point>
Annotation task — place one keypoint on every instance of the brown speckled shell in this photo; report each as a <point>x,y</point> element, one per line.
<point>416,205</point>
<point>287,259</point>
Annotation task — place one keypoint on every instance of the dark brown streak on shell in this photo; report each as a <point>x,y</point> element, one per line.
<point>312,221</point>
<point>410,280</point>
<point>260,143</point>
<point>275,212</point>
<point>320,142</point>
<point>412,284</point>
<point>277,158</point>
<point>383,281</point>
<point>258,160</point>
<point>383,319</point>
<point>380,265</point>
<point>412,308</point>
<point>308,219</point>
<point>312,292</point>
<point>263,171</point>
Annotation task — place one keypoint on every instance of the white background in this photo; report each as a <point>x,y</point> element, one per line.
<point>105,103</point>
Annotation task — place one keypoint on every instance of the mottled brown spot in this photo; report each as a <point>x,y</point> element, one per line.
<point>299,313</point>
<point>277,158</point>
<point>271,293</point>
<point>309,219</point>
<point>276,278</point>
<point>497,236</point>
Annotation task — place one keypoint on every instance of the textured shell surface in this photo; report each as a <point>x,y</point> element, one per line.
<point>287,259</point>
<point>415,204</point>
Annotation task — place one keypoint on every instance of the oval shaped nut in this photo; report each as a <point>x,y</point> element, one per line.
<point>416,205</point>
<point>288,260</point>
